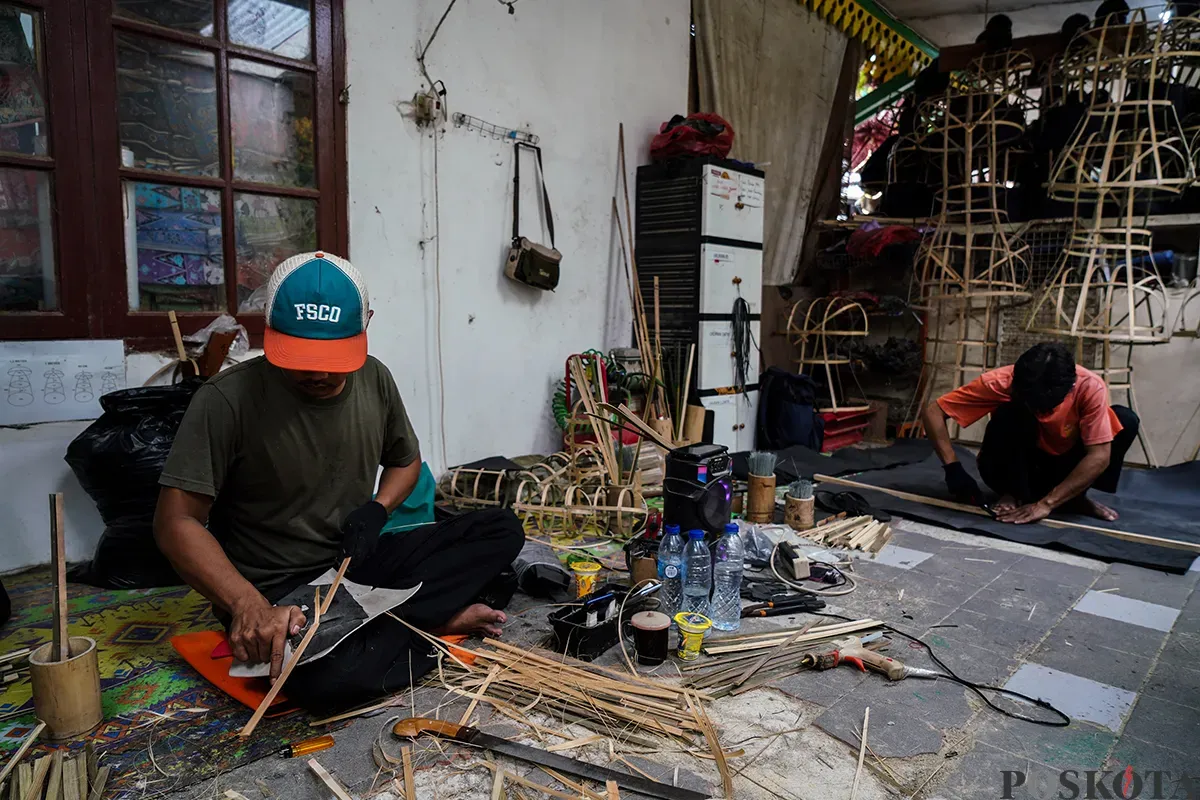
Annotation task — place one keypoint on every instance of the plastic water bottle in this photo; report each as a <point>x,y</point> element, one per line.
<point>727,580</point>
<point>670,570</point>
<point>697,574</point>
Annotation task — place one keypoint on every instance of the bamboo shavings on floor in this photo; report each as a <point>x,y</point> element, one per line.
<point>853,533</point>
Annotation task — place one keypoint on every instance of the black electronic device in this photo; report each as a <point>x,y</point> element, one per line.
<point>698,488</point>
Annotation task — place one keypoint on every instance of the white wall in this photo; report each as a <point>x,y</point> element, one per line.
<point>567,70</point>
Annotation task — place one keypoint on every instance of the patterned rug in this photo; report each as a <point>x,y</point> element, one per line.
<point>165,727</point>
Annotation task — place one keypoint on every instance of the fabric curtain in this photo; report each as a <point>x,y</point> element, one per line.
<point>771,68</point>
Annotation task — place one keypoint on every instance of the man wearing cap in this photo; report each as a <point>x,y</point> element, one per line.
<point>269,484</point>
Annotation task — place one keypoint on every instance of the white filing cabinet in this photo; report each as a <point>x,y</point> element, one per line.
<point>733,419</point>
<point>728,272</point>
<point>715,368</point>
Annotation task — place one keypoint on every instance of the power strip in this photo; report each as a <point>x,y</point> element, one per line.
<point>794,561</point>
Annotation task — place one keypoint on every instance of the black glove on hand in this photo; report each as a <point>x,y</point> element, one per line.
<point>961,484</point>
<point>361,529</point>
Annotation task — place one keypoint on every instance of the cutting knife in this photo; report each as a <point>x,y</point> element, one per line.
<point>464,734</point>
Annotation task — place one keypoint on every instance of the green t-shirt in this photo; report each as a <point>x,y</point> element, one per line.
<point>286,468</point>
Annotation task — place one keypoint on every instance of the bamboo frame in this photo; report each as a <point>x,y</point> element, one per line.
<point>610,509</point>
<point>473,488</point>
<point>825,319</point>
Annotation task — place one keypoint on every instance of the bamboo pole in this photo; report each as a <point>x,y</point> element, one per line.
<point>1127,536</point>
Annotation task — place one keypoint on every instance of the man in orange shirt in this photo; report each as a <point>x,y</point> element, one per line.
<point>1051,437</point>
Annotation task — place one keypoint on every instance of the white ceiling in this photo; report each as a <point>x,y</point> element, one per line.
<point>951,22</point>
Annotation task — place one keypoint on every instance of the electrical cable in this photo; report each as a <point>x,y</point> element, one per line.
<point>977,688</point>
<point>742,342</point>
<point>847,581</point>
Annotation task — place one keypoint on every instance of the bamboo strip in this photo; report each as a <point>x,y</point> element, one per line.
<point>814,635</point>
<point>330,782</point>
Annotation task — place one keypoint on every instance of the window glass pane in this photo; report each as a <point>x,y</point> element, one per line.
<point>193,16</point>
<point>281,26</point>
<point>173,248</point>
<point>26,242</point>
<point>272,115</point>
<point>167,106</point>
<point>269,230</point>
<point>22,87</point>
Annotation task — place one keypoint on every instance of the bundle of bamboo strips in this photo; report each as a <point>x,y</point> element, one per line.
<point>852,533</point>
<point>614,702</point>
<point>748,662</point>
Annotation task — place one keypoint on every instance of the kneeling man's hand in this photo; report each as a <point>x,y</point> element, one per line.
<point>361,529</point>
<point>259,631</point>
<point>1023,515</point>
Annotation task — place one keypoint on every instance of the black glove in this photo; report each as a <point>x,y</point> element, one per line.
<point>361,529</point>
<point>961,484</point>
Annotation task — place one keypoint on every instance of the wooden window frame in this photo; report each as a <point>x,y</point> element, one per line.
<point>90,257</point>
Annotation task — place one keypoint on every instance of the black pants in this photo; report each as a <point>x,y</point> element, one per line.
<point>1010,462</point>
<point>454,561</point>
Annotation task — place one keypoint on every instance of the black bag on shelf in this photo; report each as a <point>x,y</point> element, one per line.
<point>117,460</point>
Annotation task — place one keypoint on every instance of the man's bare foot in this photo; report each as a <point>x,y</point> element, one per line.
<point>1086,505</point>
<point>475,618</point>
<point>1006,503</point>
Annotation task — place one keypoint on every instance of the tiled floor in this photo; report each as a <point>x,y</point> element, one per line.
<point>1114,646</point>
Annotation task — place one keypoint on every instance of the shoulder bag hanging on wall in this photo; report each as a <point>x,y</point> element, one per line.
<point>528,262</point>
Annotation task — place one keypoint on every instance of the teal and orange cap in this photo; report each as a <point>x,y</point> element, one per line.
<point>317,311</point>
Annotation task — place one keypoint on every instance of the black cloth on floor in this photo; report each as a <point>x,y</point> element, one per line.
<point>801,462</point>
<point>1161,502</point>
<point>456,562</point>
<point>1010,462</point>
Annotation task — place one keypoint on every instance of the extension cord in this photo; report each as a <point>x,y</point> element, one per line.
<point>795,561</point>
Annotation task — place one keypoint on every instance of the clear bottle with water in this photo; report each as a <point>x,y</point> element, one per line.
<point>728,556</point>
<point>697,574</point>
<point>670,570</point>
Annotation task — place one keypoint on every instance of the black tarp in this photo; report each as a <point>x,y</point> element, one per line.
<point>801,462</point>
<point>1162,502</point>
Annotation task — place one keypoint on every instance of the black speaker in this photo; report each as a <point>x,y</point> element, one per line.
<point>698,488</point>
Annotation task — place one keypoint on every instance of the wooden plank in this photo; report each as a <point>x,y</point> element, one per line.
<point>54,782</point>
<point>1128,536</point>
<point>614,792</point>
<point>61,648</point>
<point>70,780</point>
<point>81,776</point>
<point>99,784</point>
<point>330,782</point>
<point>410,783</point>
<point>24,748</point>
<point>41,769</point>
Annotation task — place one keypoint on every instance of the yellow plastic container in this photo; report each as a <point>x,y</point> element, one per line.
<point>585,577</point>
<point>692,628</point>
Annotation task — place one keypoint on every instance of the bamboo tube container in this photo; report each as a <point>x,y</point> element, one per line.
<point>66,694</point>
<point>760,499</point>
<point>798,513</point>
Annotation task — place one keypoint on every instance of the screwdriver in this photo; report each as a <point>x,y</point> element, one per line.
<point>307,746</point>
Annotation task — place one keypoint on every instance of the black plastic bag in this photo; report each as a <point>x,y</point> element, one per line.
<point>5,605</point>
<point>786,412</point>
<point>117,460</point>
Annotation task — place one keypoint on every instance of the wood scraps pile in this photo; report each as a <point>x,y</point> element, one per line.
<point>863,533</point>
<point>54,776</point>
<point>739,664</point>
